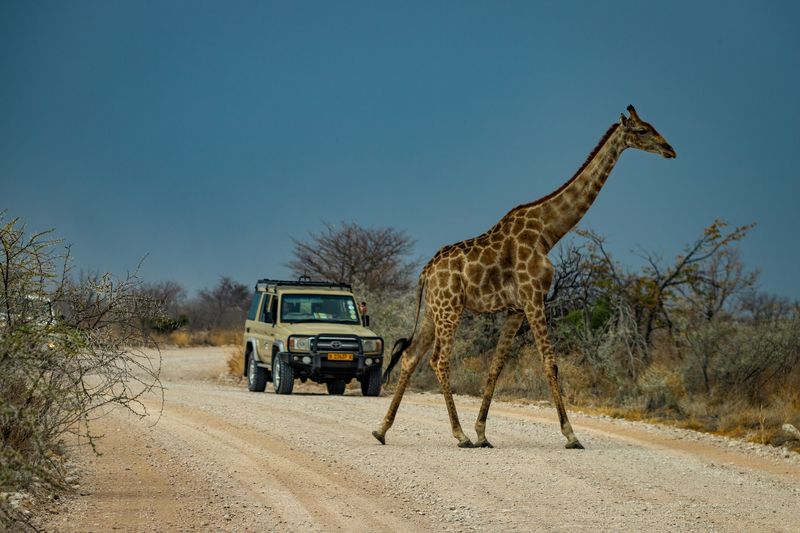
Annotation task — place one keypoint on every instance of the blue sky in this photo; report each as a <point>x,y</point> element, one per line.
<point>206,134</point>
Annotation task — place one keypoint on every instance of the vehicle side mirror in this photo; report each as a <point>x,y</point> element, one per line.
<point>365,321</point>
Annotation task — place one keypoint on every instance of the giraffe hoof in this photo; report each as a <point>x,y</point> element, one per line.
<point>483,444</point>
<point>466,444</point>
<point>574,445</point>
<point>380,437</point>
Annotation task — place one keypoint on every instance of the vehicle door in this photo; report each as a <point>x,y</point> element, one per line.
<point>263,327</point>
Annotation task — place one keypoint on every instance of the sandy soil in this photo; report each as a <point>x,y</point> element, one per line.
<point>222,458</point>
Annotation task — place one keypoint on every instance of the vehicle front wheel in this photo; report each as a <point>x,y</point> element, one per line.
<point>256,376</point>
<point>282,376</point>
<point>336,387</point>
<point>371,382</point>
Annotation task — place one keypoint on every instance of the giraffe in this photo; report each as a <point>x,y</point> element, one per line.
<point>507,269</point>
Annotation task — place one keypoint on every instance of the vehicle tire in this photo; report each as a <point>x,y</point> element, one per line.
<point>336,387</point>
<point>256,376</point>
<point>371,382</point>
<point>282,376</point>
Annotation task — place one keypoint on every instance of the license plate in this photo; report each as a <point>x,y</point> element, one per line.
<point>340,356</point>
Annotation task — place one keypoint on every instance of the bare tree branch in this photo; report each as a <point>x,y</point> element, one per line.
<point>369,258</point>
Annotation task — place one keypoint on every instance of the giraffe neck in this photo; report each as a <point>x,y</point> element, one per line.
<point>562,210</point>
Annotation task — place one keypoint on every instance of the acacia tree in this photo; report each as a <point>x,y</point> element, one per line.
<point>169,293</point>
<point>223,305</point>
<point>765,308</point>
<point>610,313</point>
<point>704,278</point>
<point>375,259</point>
<point>171,296</point>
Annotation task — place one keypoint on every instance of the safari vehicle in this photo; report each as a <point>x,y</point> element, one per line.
<point>309,330</point>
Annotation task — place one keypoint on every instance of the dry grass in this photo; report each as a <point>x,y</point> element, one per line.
<point>658,395</point>
<point>216,337</point>
<point>225,337</point>
<point>180,338</point>
<point>235,362</point>
<point>761,424</point>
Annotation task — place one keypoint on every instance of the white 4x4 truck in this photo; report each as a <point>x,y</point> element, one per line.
<point>309,330</point>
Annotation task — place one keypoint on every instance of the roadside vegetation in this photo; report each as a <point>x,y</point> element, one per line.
<point>689,341</point>
<point>71,348</point>
<point>214,317</point>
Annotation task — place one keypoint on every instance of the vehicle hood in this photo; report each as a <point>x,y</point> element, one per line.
<point>316,328</point>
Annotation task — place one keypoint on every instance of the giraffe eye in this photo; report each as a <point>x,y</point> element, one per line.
<point>641,131</point>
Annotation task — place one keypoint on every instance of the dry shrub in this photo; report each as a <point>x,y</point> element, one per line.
<point>71,348</point>
<point>695,408</point>
<point>761,424</point>
<point>661,389</point>
<point>730,376</point>
<point>184,338</point>
<point>579,382</point>
<point>179,338</point>
<point>741,360</point>
<point>787,404</point>
<point>739,419</point>
<point>423,378</point>
<point>224,337</point>
<point>235,362</point>
<point>467,375</point>
<point>617,412</point>
<point>523,376</point>
<point>691,423</point>
<point>787,407</point>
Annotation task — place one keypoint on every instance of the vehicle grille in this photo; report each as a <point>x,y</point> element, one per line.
<point>337,343</point>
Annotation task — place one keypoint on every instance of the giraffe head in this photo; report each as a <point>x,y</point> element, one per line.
<point>642,135</point>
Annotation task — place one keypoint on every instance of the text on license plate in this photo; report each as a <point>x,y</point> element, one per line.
<point>340,356</point>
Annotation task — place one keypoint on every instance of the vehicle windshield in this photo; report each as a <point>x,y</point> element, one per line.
<point>318,308</point>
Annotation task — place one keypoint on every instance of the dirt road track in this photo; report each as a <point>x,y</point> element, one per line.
<point>221,458</point>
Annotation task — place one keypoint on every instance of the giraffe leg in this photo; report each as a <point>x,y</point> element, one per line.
<point>440,362</point>
<point>510,328</point>
<point>538,323</point>
<point>411,358</point>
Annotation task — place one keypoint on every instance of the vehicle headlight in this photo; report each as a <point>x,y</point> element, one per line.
<point>299,344</point>
<point>372,345</point>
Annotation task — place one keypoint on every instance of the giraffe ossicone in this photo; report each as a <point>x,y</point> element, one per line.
<point>507,269</point>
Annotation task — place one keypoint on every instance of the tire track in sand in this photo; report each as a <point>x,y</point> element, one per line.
<point>304,493</point>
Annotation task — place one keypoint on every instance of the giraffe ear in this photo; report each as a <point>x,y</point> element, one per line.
<point>623,119</point>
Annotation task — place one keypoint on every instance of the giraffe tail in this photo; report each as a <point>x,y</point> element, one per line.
<point>397,351</point>
<point>402,344</point>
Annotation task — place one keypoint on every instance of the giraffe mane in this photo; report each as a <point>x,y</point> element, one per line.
<point>593,153</point>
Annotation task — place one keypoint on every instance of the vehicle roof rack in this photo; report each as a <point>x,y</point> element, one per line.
<point>304,281</point>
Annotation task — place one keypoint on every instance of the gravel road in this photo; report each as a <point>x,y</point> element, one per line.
<point>222,458</point>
